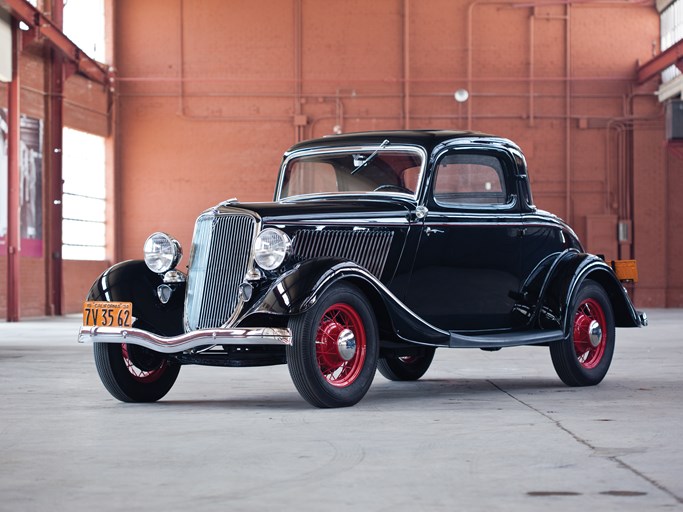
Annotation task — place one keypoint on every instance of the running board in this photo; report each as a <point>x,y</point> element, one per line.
<point>505,339</point>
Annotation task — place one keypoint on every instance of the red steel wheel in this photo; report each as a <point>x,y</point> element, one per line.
<point>142,372</point>
<point>589,333</point>
<point>585,356</point>
<point>134,374</point>
<point>340,345</point>
<point>335,346</point>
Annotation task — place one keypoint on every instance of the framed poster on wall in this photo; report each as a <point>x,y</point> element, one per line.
<point>30,185</point>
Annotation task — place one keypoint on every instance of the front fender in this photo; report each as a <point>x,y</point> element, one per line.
<point>298,290</point>
<point>132,281</point>
<point>295,290</point>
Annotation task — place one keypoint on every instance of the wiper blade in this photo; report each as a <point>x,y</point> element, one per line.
<point>370,158</point>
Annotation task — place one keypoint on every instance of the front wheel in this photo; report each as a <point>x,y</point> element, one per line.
<point>333,356</point>
<point>584,358</point>
<point>134,374</point>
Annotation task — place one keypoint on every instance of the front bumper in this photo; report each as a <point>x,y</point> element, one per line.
<point>187,341</point>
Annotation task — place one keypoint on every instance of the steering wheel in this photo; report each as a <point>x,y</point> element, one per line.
<point>389,186</point>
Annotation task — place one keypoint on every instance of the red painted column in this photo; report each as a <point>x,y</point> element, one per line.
<point>53,238</point>
<point>13,180</point>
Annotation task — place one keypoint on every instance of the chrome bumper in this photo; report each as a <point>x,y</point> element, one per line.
<point>187,341</point>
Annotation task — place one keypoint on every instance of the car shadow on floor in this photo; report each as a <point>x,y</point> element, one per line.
<point>416,393</point>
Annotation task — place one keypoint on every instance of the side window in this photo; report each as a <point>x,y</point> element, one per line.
<point>470,179</point>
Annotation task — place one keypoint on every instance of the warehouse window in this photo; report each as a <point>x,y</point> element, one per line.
<point>671,30</point>
<point>84,25</point>
<point>83,203</point>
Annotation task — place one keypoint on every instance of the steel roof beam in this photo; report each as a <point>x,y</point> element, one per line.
<point>45,28</point>
<point>672,56</point>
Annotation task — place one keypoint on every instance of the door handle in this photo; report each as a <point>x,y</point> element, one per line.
<point>431,230</point>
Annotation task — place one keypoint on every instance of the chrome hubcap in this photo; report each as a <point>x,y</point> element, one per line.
<point>346,344</point>
<point>594,333</point>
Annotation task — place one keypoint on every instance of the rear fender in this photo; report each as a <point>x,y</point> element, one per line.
<point>564,280</point>
<point>132,281</point>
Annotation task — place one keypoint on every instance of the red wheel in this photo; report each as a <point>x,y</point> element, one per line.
<point>340,345</point>
<point>590,326</point>
<point>333,356</point>
<point>410,367</point>
<point>145,369</point>
<point>585,356</point>
<point>134,374</point>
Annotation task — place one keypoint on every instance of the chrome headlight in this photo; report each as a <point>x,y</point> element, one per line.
<point>162,252</point>
<point>271,248</point>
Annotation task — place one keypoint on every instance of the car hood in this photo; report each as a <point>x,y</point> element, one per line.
<point>320,210</point>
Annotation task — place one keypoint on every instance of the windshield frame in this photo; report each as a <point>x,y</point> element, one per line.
<point>379,147</point>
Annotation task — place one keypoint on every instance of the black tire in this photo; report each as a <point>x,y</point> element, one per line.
<point>333,357</point>
<point>408,367</point>
<point>584,358</point>
<point>134,374</point>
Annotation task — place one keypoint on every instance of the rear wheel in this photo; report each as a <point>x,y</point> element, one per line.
<point>584,358</point>
<point>406,367</point>
<point>333,357</point>
<point>134,374</point>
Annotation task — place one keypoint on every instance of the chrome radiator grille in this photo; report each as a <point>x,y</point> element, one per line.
<point>221,249</point>
<point>368,249</point>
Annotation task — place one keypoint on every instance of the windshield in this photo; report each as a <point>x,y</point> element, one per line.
<point>389,171</point>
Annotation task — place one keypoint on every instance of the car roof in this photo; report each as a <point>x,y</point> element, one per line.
<point>427,139</point>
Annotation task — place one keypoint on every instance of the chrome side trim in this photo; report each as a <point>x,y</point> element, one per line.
<point>187,341</point>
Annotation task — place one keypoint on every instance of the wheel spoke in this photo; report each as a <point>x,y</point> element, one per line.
<point>589,314</point>
<point>146,376</point>
<point>336,369</point>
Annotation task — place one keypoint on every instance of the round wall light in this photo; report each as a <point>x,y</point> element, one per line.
<point>461,95</point>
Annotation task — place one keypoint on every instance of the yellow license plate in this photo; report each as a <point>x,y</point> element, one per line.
<point>108,314</point>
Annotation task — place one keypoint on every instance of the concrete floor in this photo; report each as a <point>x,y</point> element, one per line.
<point>482,431</point>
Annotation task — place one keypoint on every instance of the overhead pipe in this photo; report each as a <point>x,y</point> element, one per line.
<point>532,53</point>
<point>531,78</point>
<point>372,81</point>
<point>406,64</point>
<point>622,127</point>
<point>299,126</point>
<point>568,113</point>
<point>181,80</point>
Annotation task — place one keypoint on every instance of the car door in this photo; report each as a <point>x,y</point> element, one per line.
<point>467,264</point>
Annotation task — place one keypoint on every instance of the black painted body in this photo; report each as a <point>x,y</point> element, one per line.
<point>451,269</point>
<point>132,281</point>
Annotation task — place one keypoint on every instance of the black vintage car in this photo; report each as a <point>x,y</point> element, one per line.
<point>378,248</point>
